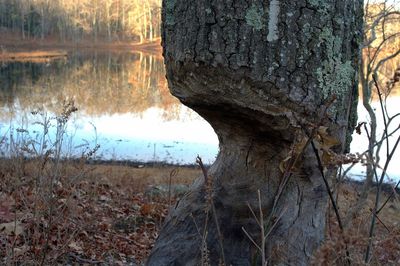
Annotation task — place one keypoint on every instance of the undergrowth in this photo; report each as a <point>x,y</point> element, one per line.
<point>58,211</point>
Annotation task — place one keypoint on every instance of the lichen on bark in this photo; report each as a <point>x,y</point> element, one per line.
<point>254,17</point>
<point>335,76</point>
<point>321,5</point>
<point>169,8</point>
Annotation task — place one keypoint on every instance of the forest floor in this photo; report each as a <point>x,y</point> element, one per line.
<point>14,48</point>
<point>102,214</point>
<point>110,214</point>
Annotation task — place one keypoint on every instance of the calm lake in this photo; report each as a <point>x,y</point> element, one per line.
<point>123,105</point>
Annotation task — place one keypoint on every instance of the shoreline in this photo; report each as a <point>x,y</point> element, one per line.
<point>38,56</point>
<point>386,187</point>
<point>348,180</point>
<point>14,50</point>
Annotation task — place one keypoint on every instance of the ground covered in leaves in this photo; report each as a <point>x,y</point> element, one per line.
<point>78,214</point>
<point>103,215</point>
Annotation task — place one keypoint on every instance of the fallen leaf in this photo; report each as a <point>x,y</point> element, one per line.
<point>75,246</point>
<point>12,227</point>
<point>5,208</point>
<point>326,140</point>
<point>18,251</point>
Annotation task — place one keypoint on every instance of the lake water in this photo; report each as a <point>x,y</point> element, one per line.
<point>123,105</point>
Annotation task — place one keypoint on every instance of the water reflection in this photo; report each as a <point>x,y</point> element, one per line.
<point>123,101</point>
<point>124,105</point>
<point>134,82</point>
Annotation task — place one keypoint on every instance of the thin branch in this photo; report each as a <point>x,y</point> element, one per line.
<point>377,198</point>
<point>214,211</point>
<point>251,239</point>
<point>375,24</point>
<point>383,113</point>
<point>335,208</point>
<point>203,169</point>
<point>388,198</point>
<point>321,169</point>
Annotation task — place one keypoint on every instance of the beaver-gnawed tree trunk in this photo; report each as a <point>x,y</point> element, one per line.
<point>262,73</point>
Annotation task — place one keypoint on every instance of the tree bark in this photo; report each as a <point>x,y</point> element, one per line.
<point>262,73</point>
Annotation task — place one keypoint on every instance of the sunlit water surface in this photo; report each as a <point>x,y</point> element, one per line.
<point>124,106</point>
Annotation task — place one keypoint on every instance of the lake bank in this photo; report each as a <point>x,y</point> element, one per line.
<point>38,50</point>
<point>36,56</point>
<point>160,171</point>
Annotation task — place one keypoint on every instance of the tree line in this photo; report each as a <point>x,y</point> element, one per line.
<point>76,20</point>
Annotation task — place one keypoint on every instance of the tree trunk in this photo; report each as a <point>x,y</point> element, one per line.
<point>263,74</point>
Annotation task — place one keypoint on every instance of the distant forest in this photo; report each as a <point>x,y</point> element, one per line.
<point>76,20</point>
<point>112,20</point>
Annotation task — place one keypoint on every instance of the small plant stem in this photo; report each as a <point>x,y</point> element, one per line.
<point>220,238</point>
<point>388,198</point>
<point>204,255</point>
<point>203,169</point>
<point>379,220</point>
<point>213,209</point>
<point>335,208</point>
<point>377,199</point>
<point>48,231</point>
<point>171,174</point>
<point>15,230</point>
<point>331,197</point>
<point>263,257</point>
<point>383,113</point>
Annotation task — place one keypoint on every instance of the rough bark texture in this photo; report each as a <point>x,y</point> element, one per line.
<point>260,72</point>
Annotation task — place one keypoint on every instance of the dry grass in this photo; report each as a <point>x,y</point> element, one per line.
<point>93,214</point>
<point>386,244</point>
<point>109,204</point>
<point>135,178</point>
<point>55,210</point>
<point>138,179</point>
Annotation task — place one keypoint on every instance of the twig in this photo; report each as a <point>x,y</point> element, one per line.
<point>172,174</point>
<point>389,156</point>
<point>262,229</point>
<point>379,220</point>
<point>260,222</point>
<point>214,211</point>
<point>335,208</point>
<point>321,169</point>
<point>203,169</point>
<point>82,260</point>
<point>388,198</point>
<point>383,113</point>
<point>377,199</point>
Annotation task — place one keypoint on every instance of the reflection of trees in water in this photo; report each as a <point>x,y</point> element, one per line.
<point>13,76</point>
<point>99,83</point>
<point>149,87</point>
